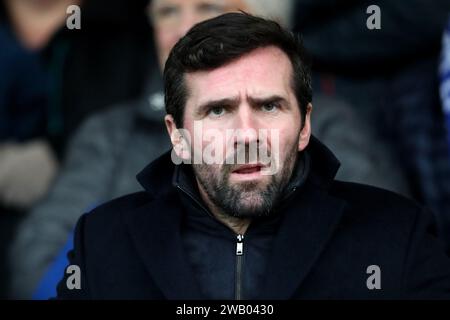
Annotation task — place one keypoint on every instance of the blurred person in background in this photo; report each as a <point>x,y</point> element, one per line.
<point>444,90</point>
<point>28,162</point>
<point>389,76</point>
<point>113,146</point>
<point>26,29</point>
<point>51,79</point>
<point>444,77</point>
<point>87,69</point>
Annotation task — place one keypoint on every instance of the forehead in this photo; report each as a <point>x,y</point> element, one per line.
<point>264,71</point>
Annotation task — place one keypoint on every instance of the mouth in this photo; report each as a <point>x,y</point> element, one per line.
<point>247,169</point>
<point>247,172</point>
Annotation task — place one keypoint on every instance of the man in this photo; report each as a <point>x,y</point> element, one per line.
<point>113,146</point>
<point>234,229</point>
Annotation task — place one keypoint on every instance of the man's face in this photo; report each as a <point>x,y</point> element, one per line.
<point>250,94</point>
<point>172,19</point>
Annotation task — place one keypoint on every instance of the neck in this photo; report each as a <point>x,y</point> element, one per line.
<point>237,225</point>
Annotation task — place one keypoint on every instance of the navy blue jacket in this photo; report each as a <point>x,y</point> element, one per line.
<point>329,237</point>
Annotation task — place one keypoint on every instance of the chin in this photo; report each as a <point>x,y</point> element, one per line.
<point>250,202</point>
<point>250,187</point>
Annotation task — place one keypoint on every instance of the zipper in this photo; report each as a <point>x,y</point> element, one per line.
<point>239,249</point>
<point>239,258</point>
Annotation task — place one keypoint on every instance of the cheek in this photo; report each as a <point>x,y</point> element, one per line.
<point>214,142</point>
<point>284,140</point>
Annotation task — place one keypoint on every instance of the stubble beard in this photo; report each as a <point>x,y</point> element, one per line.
<point>246,199</point>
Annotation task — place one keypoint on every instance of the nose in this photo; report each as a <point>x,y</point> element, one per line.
<point>246,123</point>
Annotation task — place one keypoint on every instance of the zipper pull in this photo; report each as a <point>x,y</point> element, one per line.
<point>240,245</point>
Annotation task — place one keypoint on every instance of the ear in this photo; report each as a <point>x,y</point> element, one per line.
<point>180,138</point>
<point>305,134</point>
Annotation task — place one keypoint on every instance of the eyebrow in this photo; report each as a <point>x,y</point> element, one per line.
<point>209,105</point>
<point>271,99</point>
<point>234,102</point>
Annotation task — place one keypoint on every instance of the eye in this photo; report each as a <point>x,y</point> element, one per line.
<point>166,11</point>
<point>217,111</point>
<point>210,8</point>
<point>270,107</point>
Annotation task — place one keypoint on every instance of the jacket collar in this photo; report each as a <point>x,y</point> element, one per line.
<point>324,164</point>
<point>155,229</point>
<point>307,225</point>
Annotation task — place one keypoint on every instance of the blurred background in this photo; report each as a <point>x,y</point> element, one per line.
<point>81,110</point>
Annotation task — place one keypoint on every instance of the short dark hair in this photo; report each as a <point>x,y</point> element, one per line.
<point>218,41</point>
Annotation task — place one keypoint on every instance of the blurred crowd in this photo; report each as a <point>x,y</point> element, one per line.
<point>81,111</point>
